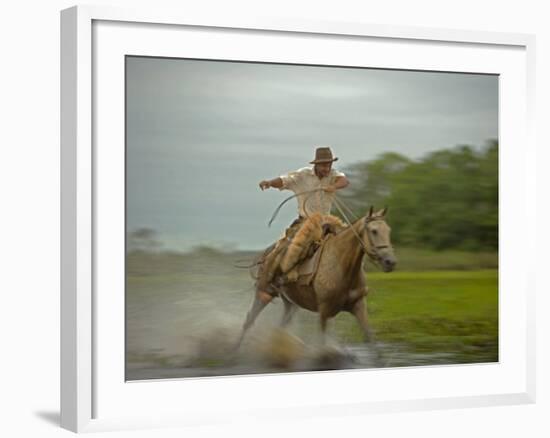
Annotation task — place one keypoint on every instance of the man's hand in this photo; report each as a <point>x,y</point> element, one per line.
<point>340,182</point>
<point>329,189</point>
<point>276,183</point>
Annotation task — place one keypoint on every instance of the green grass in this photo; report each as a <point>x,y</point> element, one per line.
<point>451,312</point>
<point>416,259</point>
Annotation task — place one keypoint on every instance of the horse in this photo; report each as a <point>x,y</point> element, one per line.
<point>339,283</point>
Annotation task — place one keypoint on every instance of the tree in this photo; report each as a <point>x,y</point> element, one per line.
<point>448,199</point>
<point>144,240</point>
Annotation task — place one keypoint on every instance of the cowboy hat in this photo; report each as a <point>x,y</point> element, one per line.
<point>323,155</point>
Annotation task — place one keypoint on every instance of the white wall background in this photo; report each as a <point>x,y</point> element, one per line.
<point>29,184</point>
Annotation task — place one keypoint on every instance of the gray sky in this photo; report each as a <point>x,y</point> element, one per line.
<point>202,134</point>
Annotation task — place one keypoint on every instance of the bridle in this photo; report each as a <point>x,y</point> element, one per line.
<point>373,256</point>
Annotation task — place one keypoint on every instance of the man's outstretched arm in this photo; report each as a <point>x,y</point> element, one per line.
<point>276,183</point>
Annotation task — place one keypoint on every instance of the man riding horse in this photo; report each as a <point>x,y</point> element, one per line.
<point>315,187</point>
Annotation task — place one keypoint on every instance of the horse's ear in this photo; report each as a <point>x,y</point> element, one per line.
<point>382,212</point>
<point>371,209</point>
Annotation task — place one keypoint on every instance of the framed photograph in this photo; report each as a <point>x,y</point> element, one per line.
<point>259,213</point>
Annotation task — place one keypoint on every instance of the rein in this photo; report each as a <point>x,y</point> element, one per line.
<point>372,257</point>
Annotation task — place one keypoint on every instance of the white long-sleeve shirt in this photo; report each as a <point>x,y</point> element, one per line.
<point>304,180</point>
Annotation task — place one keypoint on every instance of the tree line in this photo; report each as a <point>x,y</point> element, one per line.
<point>447,199</point>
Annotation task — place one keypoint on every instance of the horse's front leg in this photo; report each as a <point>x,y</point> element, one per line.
<point>261,299</point>
<point>359,310</point>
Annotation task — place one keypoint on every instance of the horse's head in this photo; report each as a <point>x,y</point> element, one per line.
<point>376,236</point>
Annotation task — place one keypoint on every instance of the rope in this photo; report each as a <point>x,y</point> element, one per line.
<point>276,212</point>
<point>342,204</point>
<point>244,266</point>
<point>352,228</point>
<point>339,204</point>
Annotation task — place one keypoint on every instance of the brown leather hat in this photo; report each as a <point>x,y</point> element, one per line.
<point>323,155</point>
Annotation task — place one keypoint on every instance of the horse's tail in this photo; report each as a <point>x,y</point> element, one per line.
<point>257,262</point>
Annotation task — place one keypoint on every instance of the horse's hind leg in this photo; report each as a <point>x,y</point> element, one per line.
<point>323,320</point>
<point>259,303</point>
<point>290,310</point>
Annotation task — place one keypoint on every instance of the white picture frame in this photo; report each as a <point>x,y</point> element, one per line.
<point>87,377</point>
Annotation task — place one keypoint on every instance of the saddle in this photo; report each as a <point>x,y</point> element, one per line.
<point>301,260</point>
<point>308,268</point>
<point>295,258</point>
